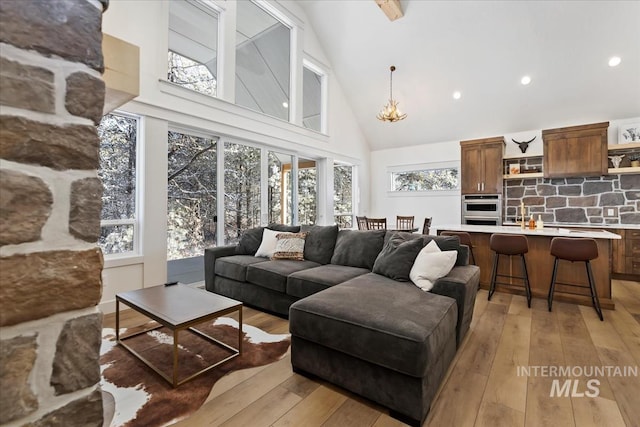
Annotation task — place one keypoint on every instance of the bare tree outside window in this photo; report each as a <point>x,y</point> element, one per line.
<point>307,191</point>
<point>426,180</point>
<point>191,195</point>
<point>343,195</point>
<point>118,153</point>
<point>242,190</point>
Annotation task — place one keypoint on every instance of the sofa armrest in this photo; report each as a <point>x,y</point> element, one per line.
<point>210,256</point>
<point>460,284</point>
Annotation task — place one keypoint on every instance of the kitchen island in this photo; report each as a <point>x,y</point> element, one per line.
<point>540,262</point>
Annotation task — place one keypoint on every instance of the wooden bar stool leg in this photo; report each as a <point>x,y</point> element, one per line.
<point>594,294</point>
<point>473,258</point>
<point>527,288</point>
<point>494,273</point>
<point>553,283</point>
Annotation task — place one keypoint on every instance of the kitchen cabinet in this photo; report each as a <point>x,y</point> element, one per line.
<point>626,255</point>
<point>481,165</point>
<point>575,151</point>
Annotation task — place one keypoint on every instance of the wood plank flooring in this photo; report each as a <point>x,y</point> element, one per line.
<point>482,386</point>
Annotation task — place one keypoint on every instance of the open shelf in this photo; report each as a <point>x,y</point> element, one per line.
<point>532,175</point>
<point>614,171</point>
<point>616,147</point>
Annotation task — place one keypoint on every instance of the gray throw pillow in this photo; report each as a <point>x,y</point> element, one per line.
<point>397,257</point>
<point>445,243</point>
<point>355,248</point>
<point>250,241</point>
<point>320,242</point>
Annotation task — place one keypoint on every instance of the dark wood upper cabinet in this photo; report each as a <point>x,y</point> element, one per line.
<point>481,165</point>
<point>575,151</point>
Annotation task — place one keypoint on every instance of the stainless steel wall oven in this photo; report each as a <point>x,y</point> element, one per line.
<point>482,209</point>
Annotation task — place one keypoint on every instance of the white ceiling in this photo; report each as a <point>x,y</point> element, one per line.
<point>482,48</point>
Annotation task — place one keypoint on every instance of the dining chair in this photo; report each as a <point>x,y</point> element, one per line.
<point>362,222</point>
<point>376,223</point>
<point>404,222</point>
<point>427,224</point>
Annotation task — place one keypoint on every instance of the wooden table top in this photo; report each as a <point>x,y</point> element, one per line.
<point>178,304</point>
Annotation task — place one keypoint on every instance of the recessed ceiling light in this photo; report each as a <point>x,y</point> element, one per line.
<point>457,94</point>
<point>614,61</point>
<point>525,80</point>
<point>285,104</point>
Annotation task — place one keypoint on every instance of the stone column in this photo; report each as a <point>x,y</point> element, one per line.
<point>51,98</point>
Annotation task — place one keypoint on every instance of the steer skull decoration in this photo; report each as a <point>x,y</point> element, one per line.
<point>524,144</point>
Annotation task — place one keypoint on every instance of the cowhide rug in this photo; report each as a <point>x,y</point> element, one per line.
<point>143,398</point>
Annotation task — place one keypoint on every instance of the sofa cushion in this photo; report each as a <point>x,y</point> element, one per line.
<point>320,243</point>
<point>307,282</point>
<point>268,244</point>
<point>400,327</point>
<point>357,248</point>
<point>397,257</point>
<point>235,266</point>
<point>273,274</point>
<point>289,246</point>
<point>252,238</point>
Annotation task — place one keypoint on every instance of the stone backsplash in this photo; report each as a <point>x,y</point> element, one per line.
<point>609,199</point>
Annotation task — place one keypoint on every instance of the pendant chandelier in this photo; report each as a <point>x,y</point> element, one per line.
<point>390,112</point>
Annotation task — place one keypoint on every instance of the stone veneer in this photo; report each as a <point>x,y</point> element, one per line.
<point>51,97</point>
<point>574,200</point>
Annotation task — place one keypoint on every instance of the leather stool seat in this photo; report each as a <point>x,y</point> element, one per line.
<point>575,250</point>
<point>509,245</point>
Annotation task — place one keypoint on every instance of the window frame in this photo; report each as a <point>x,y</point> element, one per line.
<point>314,67</point>
<point>392,170</point>
<point>135,221</point>
<point>209,7</point>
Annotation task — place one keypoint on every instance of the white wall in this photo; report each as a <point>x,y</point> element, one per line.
<point>145,24</point>
<point>444,207</point>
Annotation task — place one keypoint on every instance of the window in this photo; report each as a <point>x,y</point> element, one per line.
<point>427,179</point>
<point>242,190</point>
<point>280,187</point>
<point>118,171</point>
<point>191,195</point>
<point>307,191</point>
<point>262,61</point>
<point>343,195</point>
<point>312,99</point>
<point>193,46</point>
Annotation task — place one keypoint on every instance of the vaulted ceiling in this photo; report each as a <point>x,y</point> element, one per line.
<point>482,49</point>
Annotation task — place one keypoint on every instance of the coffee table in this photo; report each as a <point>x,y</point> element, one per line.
<point>178,307</point>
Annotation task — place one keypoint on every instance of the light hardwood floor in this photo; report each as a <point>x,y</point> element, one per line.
<point>482,386</point>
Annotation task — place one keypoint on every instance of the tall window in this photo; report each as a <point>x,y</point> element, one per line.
<point>307,191</point>
<point>312,99</point>
<point>191,195</point>
<point>280,188</point>
<point>343,195</point>
<point>428,179</point>
<point>242,190</point>
<point>193,46</point>
<point>118,170</point>
<point>262,61</point>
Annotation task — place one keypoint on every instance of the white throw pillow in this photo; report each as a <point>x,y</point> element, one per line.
<point>268,244</point>
<point>430,265</point>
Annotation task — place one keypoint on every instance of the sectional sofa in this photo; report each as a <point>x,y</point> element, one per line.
<point>355,318</point>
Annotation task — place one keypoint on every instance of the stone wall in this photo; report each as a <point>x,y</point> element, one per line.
<point>574,200</point>
<point>51,98</point>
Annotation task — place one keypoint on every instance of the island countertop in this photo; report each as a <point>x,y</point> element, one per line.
<point>541,262</point>
<point>516,229</point>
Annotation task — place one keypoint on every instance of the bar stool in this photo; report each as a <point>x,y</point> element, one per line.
<point>575,249</point>
<point>465,239</point>
<point>511,245</point>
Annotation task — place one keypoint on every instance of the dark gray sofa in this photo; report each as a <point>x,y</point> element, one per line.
<point>384,339</point>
